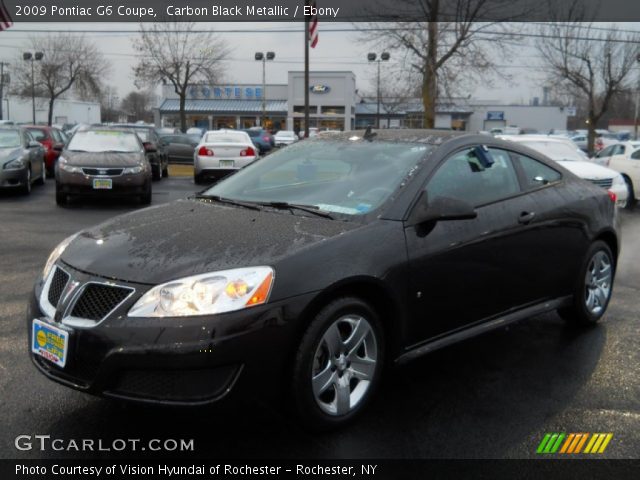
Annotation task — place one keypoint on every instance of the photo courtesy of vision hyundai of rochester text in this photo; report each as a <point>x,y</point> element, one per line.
<point>307,272</point>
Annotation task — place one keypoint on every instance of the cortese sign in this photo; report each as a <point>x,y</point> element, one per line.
<point>319,88</point>
<point>225,92</point>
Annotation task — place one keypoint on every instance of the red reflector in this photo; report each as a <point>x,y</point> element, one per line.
<point>612,196</point>
<point>205,152</point>
<point>248,152</point>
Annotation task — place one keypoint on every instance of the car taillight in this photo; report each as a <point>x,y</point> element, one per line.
<point>205,152</point>
<point>248,152</point>
<point>612,196</point>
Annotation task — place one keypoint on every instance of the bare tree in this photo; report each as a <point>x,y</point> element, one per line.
<point>592,62</point>
<point>70,64</point>
<point>459,41</point>
<point>173,53</point>
<point>138,105</point>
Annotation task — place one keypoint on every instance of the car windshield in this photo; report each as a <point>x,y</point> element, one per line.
<point>345,177</point>
<point>225,137</point>
<point>38,133</point>
<point>556,151</point>
<point>104,140</point>
<point>9,138</point>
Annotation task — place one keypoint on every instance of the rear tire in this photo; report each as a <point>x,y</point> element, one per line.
<point>165,171</point>
<point>595,285</point>
<point>631,199</point>
<point>156,172</point>
<point>338,364</point>
<point>145,199</point>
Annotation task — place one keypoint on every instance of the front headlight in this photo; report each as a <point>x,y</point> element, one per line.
<point>16,164</point>
<point>57,252</point>
<point>206,294</point>
<point>619,181</point>
<point>62,164</point>
<point>132,170</point>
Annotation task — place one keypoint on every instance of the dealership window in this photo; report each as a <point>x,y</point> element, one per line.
<point>536,173</point>
<point>332,110</point>
<point>463,177</point>
<point>313,109</point>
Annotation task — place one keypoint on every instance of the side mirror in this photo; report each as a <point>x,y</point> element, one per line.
<point>440,209</point>
<point>149,147</point>
<point>34,144</point>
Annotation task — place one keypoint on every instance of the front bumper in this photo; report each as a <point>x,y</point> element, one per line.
<point>13,178</point>
<point>81,184</point>
<point>178,361</point>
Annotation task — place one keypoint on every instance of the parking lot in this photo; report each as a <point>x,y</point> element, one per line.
<point>494,396</point>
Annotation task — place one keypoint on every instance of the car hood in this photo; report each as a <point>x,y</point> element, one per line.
<point>588,170</point>
<point>10,153</point>
<point>102,159</point>
<point>190,237</point>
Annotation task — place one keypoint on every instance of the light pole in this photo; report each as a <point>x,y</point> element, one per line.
<point>383,58</point>
<point>4,80</point>
<point>635,118</point>
<point>261,57</point>
<point>29,57</point>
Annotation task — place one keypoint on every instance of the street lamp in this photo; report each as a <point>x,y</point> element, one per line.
<point>29,57</point>
<point>635,118</point>
<point>384,57</point>
<point>261,57</point>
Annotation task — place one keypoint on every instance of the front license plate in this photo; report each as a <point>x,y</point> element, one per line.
<point>50,342</point>
<point>227,163</point>
<point>102,183</point>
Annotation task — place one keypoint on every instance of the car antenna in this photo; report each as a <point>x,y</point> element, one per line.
<point>368,134</point>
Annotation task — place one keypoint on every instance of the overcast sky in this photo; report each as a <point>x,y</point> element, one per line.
<point>335,51</point>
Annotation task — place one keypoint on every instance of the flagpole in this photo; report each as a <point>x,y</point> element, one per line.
<point>306,74</point>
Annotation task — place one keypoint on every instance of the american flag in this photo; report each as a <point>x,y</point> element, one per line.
<point>313,27</point>
<point>5,18</point>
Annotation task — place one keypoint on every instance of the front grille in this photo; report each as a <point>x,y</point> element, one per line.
<point>603,182</point>
<point>111,172</point>
<point>58,282</point>
<point>97,300</point>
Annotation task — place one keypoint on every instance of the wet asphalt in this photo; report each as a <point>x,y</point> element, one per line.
<point>494,396</point>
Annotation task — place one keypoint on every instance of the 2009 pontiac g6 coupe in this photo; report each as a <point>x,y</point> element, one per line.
<point>310,269</point>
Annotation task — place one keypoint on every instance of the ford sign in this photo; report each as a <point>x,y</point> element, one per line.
<point>320,89</point>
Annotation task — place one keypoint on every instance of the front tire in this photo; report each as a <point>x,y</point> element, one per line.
<point>145,198</point>
<point>61,197</point>
<point>593,292</point>
<point>338,364</point>
<point>26,188</point>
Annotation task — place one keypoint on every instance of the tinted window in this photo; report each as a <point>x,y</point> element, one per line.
<point>606,152</point>
<point>38,133</point>
<point>536,173</point>
<point>636,155</point>
<point>463,177</point>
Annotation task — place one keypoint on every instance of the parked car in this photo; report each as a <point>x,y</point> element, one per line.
<point>21,158</point>
<point>624,158</point>
<point>103,163</point>
<point>180,147</point>
<point>285,137</point>
<point>155,148</point>
<point>305,273</point>
<point>163,131</point>
<point>221,152</point>
<point>196,131</point>
<point>261,139</point>
<point>53,140</point>
<point>563,151</point>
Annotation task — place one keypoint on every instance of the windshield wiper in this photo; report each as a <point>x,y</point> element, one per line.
<point>228,201</point>
<point>304,208</point>
<point>80,151</point>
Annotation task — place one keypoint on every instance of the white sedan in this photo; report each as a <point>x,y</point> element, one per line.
<point>574,160</point>
<point>221,152</point>
<point>624,158</point>
<point>285,137</point>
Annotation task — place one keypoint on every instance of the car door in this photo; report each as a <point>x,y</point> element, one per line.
<point>35,155</point>
<point>184,147</point>
<point>466,271</point>
<point>631,168</point>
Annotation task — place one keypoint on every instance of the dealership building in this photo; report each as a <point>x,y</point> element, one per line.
<point>334,104</point>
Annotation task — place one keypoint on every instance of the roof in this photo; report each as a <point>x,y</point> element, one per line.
<point>211,105</point>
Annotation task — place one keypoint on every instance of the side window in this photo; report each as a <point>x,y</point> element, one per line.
<point>621,150</point>
<point>536,173</point>
<point>605,152</point>
<point>636,155</point>
<point>463,177</point>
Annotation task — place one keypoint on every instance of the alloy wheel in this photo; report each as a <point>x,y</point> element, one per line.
<point>598,282</point>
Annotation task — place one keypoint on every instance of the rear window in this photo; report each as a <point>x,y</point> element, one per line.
<point>555,151</point>
<point>9,138</point>
<point>254,133</point>
<point>225,137</point>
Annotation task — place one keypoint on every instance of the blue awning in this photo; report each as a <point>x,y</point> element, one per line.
<point>172,105</point>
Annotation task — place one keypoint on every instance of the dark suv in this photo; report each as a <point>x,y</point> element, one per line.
<point>262,139</point>
<point>155,147</point>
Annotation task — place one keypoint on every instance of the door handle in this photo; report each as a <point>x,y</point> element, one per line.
<point>526,217</point>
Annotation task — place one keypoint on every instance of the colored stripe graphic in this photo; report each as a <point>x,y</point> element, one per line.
<point>574,443</point>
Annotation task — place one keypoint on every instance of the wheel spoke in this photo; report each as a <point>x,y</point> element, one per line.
<point>323,380</point>
<point>590,300</point>
<point>358,335</point>
<point>333,340</point>
<point>600,296</point>
<point>343,396</point>
<point>362,368</point>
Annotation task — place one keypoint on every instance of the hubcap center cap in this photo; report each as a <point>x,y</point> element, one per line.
<point>341,363</point>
